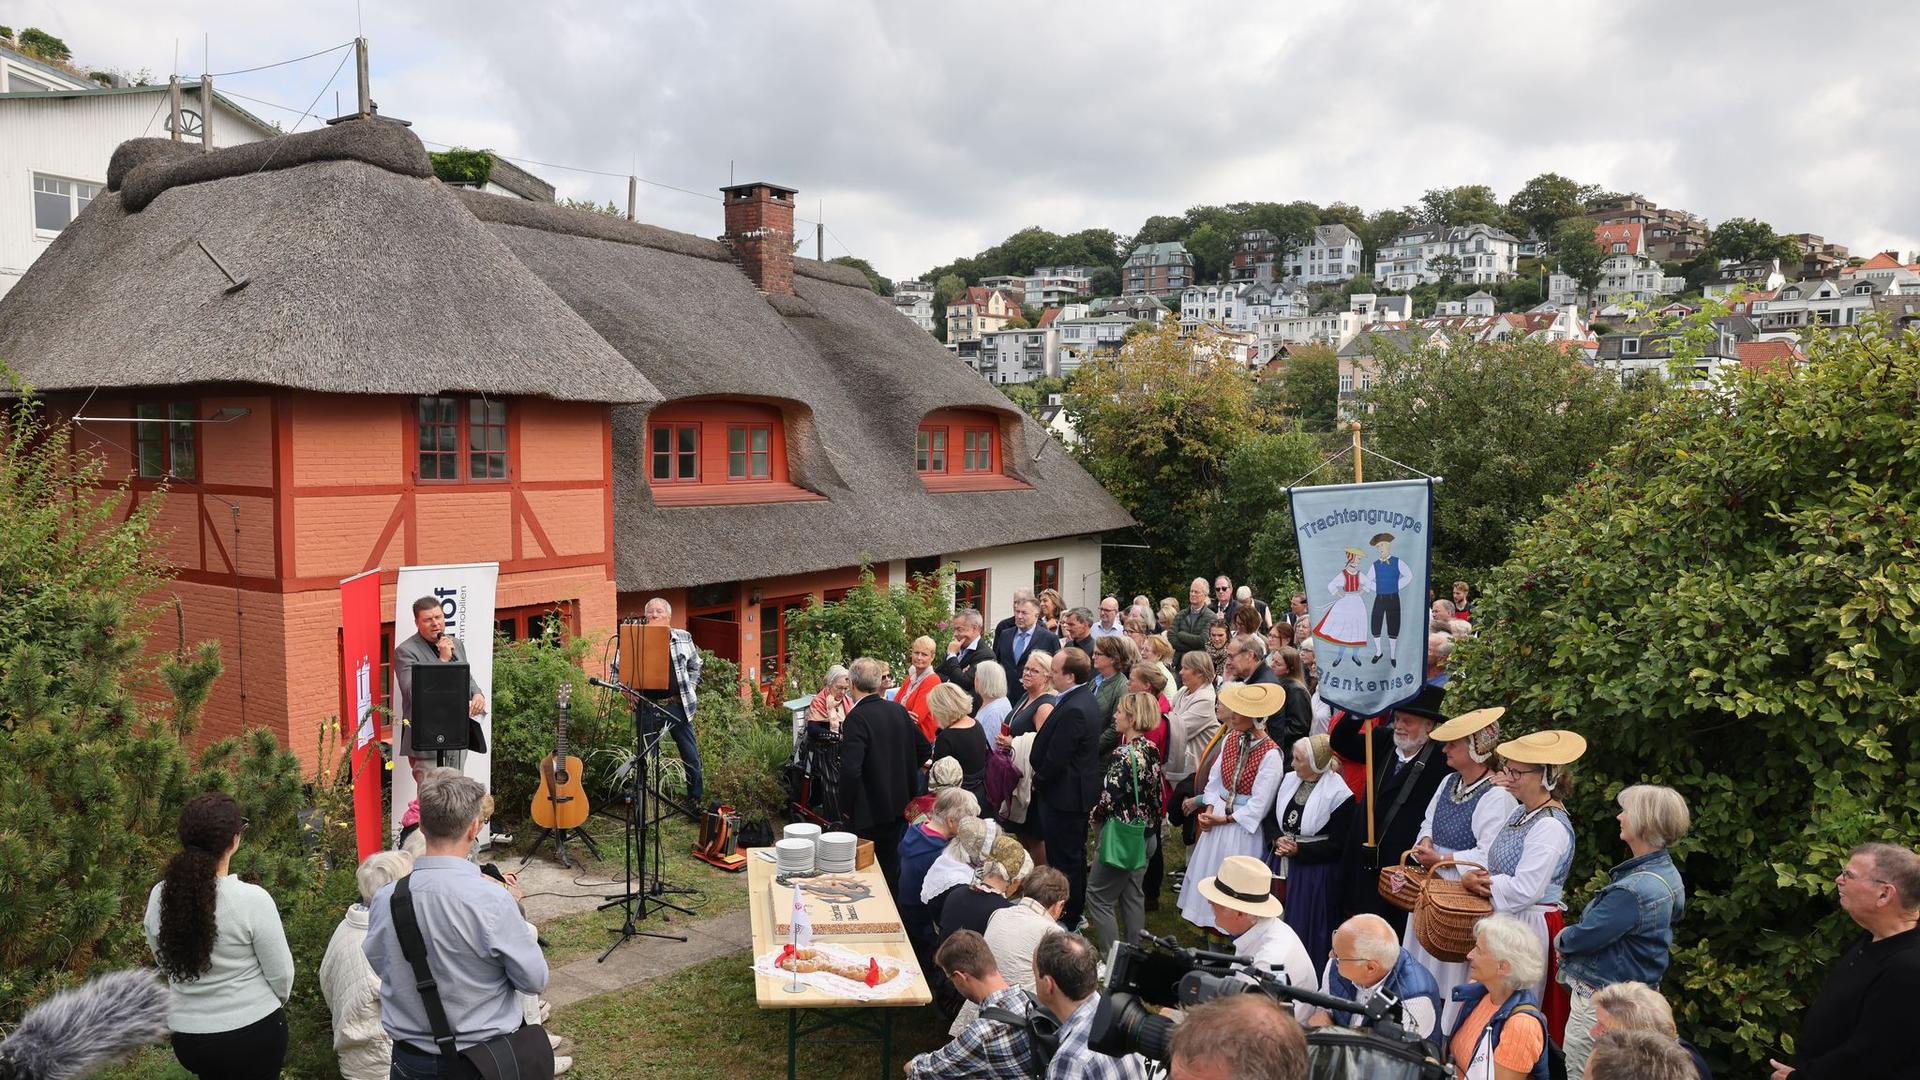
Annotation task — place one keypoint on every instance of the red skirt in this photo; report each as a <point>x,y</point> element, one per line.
<point>1559,1003</point>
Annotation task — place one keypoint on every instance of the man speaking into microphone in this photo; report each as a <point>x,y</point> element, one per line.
<point>431,644</point>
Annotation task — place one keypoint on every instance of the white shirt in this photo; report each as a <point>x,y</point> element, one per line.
<point>1012,933</point>
<point>1547,844</point>
<point>1272,943</point>
<point>1101,630</point>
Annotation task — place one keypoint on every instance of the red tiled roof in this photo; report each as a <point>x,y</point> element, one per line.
<point>1767,355</point>
<point>1625,232</point>
<point>1047,317</point>
<point>1882,261</point>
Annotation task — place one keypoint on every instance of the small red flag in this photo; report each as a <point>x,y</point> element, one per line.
<point>873,972</point>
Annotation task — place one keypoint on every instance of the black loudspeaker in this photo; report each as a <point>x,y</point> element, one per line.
<point>439,707</point>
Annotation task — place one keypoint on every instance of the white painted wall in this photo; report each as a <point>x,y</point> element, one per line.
<point>1011,567</point>
<point>72,138</point>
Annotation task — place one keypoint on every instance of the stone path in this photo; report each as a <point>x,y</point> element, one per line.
<point>645,958</point>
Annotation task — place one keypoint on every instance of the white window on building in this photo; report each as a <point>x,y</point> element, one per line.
<point>57,202</point>
<point>1628,347</point>
<point>1346,384</point>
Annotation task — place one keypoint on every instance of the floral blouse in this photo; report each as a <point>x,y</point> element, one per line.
<point>1131,790</point>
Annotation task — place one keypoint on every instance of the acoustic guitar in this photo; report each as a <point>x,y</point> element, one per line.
<point>560,802</point>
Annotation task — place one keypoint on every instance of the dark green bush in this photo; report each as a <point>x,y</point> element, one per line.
<point>1730,604</point>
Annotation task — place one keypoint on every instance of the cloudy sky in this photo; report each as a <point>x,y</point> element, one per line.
<point>929,131</point>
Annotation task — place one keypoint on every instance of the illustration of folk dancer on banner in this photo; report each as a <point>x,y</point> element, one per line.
<point>1344,627</point>
<point>1391,574</point>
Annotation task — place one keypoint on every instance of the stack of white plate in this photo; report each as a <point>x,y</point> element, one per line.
<point>802,830</point>
<point>837,851</point>
<point>795,855</point>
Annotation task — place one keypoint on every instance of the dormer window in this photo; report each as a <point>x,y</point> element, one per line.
<point>959,450</point>
<point>709,451</point>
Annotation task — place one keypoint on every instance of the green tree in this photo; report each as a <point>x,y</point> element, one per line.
<point>463,166</point>
<point>1662,608</point>
<point>1745,240</point>
<point>1212,249</point>
<point>1461,205</point>
<point>945,289</point>
<point>41,45</point>
<point>1310,385</point>
<point>1507,424</point>
<point>1382,227</point>
<point>1542,202</point>
<point>1249,522</point>
<point>874,620</point>
<point>1156,429</point>
<point>96,737</point>
<point>1106,281</point>
<point>1447,266</point>
<point>874,281</point>
<point>1159,229</point>
<point>1577,253</point>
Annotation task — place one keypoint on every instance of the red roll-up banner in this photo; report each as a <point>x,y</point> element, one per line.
<point>359,724</point>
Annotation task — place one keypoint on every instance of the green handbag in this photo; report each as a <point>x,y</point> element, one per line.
<point>1123,844</point>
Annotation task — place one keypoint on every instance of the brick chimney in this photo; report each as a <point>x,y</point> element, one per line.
<point>760,232</point>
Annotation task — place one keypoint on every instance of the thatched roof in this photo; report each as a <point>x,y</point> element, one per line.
<point>852,378</point>
<point>364,275</point>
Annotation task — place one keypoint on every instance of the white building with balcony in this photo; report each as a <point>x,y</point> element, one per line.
<point>916,307</point>
<point>1477,253</point>
<point>1083,340</point>
<point>1018,356</point>
<point>1051,286</point>
<point>1332,255</point>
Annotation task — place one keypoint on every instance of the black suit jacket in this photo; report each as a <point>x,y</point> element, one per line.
<point>1396,834</point>
<point>1043,639</point>
<point>1066,754</point>
<point>958,669</point>
<point>880,750</point>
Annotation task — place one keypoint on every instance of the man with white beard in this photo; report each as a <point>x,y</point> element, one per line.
<point>1407,769</point>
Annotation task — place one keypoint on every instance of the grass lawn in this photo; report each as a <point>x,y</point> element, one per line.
<point>701,1023</point>
<point>718,892</point>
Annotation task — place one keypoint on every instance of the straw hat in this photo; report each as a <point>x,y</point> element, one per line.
<point>1467,723</point>
<point>1244,884</point>
<point>1545,748</point>
<point>1254,700</point>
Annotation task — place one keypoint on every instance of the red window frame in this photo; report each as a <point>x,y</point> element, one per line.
<point>525,623</point>
<point>675,453</point>
<point>932,453</point>
<point>980,450</point>
<point>1046,575</point>
<point>161,439</point>
<point>468,440</point>
<point>970,590</point>
<point>757,463</point>
<point>773,665</point>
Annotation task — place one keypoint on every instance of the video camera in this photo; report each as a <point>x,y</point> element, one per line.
<point>1163,973</point>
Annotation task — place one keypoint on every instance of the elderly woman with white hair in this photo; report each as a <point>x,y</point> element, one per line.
<point>990,684</point>
<point>1501,1033</point>
<point>1625,933</point>
<point>919,849</point>
<point>349,983</point>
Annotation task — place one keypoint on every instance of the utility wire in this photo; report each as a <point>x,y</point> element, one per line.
<point>283,63</point>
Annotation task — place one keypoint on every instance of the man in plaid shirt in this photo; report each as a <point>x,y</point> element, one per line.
<point>985,1048</point>
<point>678,702</point>
<point>1066,979</point>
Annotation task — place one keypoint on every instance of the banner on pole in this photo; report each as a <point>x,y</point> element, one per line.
<point>1364,554</point>
<point>359,725</point>
<point>465,593</point>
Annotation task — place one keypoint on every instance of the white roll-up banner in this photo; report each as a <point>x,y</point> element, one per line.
<point>465,592</point>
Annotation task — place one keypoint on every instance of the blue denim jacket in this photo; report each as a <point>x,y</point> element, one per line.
<point>1626,932</point>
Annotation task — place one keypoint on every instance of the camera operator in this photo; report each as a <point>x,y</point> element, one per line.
<point>1244,908</point>
<point>1243,1037</point>
<point>1066,980</point>
<point>1368,960</point>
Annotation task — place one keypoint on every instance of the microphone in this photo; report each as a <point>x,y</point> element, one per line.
<point>603,684</point>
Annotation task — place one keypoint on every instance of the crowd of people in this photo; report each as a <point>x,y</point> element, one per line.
<point>1021,824</point>
<point>1122,725</point>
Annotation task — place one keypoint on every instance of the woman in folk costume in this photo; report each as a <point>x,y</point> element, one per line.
<point>1526,873</point>
<point>1312,808</point>
<point>1463,820</point>
<point>1233,807</point>
<point>920,681</point>
<point>1344,626</point>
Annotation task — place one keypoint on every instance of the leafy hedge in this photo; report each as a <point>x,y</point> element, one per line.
<point>1730,604</point>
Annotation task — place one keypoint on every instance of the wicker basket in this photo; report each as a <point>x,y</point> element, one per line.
<point>1400,884</point>
<point>1446,914</point>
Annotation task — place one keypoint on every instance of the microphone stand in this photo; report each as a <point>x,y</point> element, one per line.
<point>643,817</point>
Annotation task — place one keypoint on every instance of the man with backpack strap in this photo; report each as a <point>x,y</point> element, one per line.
<point>998,1045</point>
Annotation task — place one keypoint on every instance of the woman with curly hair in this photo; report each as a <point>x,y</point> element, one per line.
<point>219,942</point>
